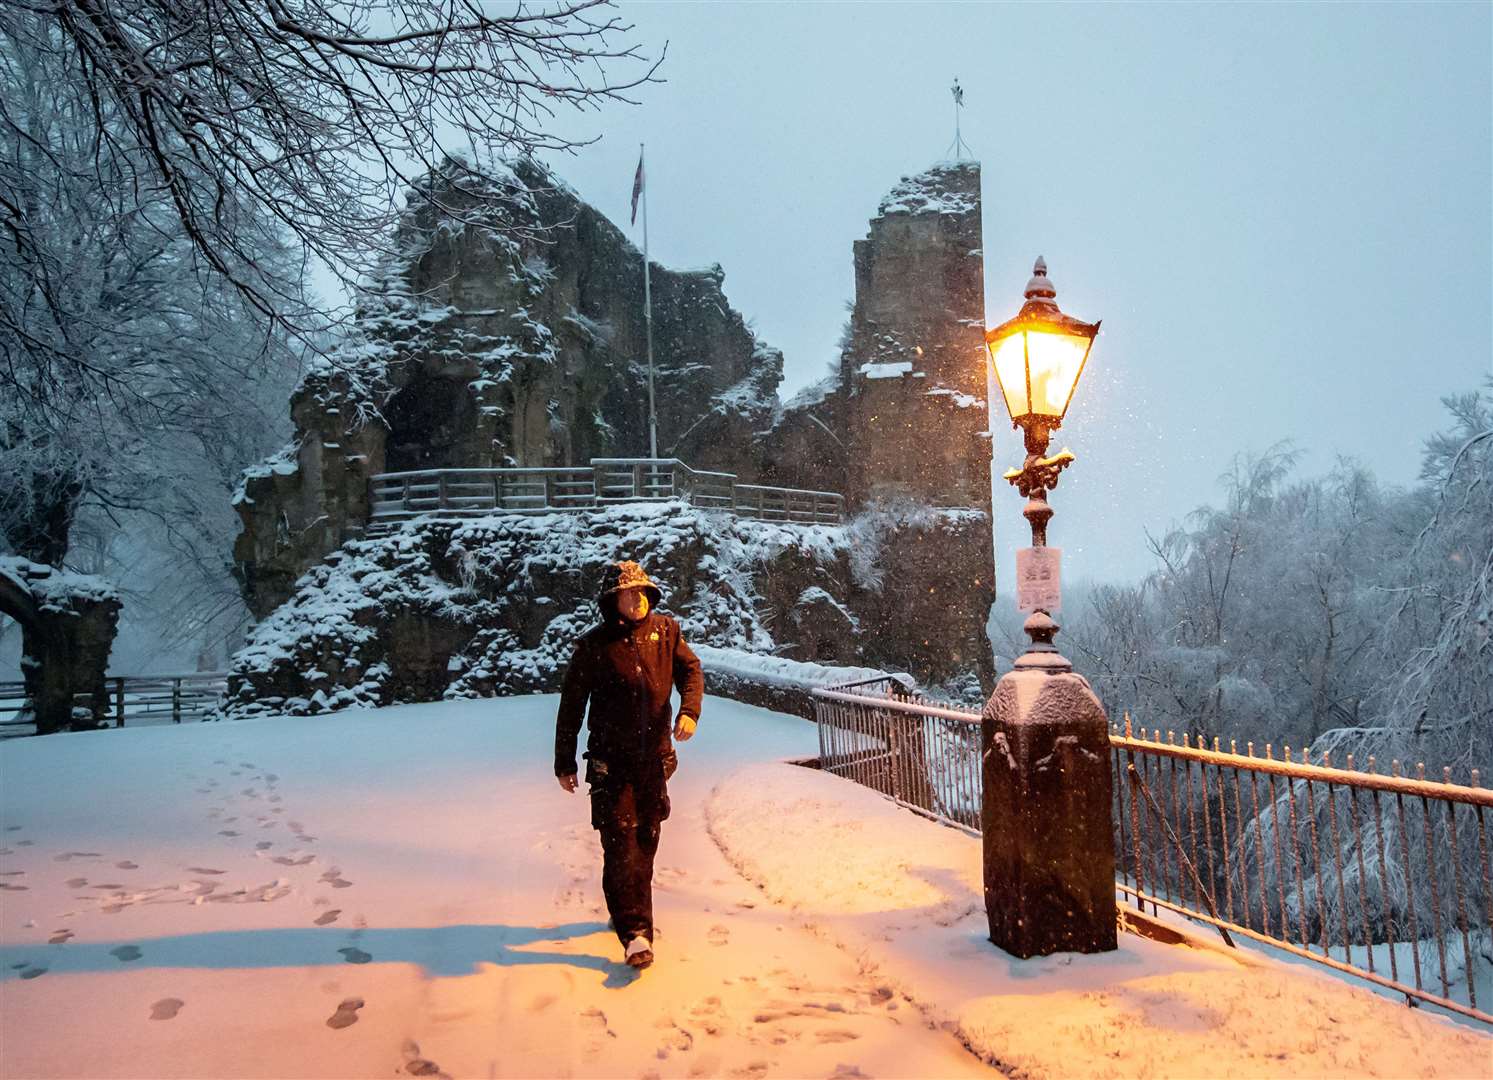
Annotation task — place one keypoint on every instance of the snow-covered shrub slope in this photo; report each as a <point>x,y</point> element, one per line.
<point>493,606</point>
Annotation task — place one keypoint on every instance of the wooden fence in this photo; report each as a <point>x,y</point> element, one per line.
<point>131,700</point>
<point>399,496</point>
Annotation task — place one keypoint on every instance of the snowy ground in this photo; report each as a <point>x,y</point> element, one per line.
<point>408,892</point>
<point>216,899</point>
<point>905,896</point>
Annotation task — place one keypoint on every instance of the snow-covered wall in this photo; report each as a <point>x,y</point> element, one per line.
<point>493,606</point>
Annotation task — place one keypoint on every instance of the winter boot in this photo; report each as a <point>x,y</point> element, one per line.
<point>639,953</point>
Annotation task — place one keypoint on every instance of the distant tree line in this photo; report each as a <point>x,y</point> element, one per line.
<point>1333,612</point>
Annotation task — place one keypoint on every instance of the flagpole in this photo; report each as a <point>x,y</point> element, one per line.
<point>958,139</point>
<point>648,315</point>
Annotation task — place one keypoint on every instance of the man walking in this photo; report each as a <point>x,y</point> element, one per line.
<point>625,668</point>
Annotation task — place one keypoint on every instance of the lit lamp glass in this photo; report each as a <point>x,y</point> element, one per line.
<point>1039,355</point>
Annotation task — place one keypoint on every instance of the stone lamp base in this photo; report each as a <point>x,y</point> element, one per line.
<point>1046,817</point>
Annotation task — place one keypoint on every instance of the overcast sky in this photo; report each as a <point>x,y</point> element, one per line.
<point>1282,213</point>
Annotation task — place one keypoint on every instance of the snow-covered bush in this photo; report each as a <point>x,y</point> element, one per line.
<point>494,606</point>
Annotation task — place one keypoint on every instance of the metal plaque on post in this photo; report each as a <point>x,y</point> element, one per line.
<point>1038,580</point>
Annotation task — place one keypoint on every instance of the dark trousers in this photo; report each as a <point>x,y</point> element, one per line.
<point>627,878</point>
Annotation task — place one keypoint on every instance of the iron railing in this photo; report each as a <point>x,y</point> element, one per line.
<point>1379,875</point>
<point>925,757</point>
<point>398,496</point>
<point>129,700</point>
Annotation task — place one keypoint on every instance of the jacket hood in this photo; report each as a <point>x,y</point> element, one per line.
<point>625,575</point>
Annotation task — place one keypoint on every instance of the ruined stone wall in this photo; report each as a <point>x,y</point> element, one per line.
<point>68,624</point>
<point>508,332</point>
<point>481,346</point>
<point>906,415</point>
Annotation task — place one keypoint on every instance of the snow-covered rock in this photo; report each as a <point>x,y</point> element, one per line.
<point>502,330</point>
<point>494,605</point>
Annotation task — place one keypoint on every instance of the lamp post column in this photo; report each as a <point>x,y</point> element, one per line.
<point>1049,858</point>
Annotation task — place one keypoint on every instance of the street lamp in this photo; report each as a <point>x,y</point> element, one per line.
<point>1047,836</point>
<point>1037,358</point>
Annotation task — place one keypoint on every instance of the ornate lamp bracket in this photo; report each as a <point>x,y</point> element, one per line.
<point>1039,473</point>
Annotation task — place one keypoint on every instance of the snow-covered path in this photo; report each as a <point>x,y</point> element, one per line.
<point>401,892</point>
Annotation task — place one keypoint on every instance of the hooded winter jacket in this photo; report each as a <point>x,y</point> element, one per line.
<point>625,671</point>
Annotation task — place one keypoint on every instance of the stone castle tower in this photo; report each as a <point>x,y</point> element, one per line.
<point>906,412</point>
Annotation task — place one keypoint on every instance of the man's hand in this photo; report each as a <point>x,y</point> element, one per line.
<point>684,727</point>
<point>567,782</point>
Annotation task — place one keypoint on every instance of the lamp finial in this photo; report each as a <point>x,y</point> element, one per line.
<point>1039,287</point>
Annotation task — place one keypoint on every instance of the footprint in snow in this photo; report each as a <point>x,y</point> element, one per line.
<point>69,856</point>
<point>414,1064</point>
<point>205,870</point>
<point>28,972</point>
<point>25,843</point>
<point>229,832</point>
<point>6,886</point>
<point>126,953</point>
<point>718,935</point>
<point>60,937</point>
<point>595,1018</point>
<point>166,1009</point>
<point>354,955</point>
<point>346,1014</point>
<point>326,918</point>
<point>264,845</point>
<point>126,864</point>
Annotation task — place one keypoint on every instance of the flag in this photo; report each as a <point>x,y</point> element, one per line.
<point>637,187</point>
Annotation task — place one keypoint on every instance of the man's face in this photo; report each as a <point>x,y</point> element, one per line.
<point>632,604</point>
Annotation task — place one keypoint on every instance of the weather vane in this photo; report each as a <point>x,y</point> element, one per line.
<point>957,149</point>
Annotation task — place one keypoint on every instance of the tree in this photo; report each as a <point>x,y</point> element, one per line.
<point>313,115</point>
<point>1436,703</point>
<point>134,381</point>
<point>120,352</point>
